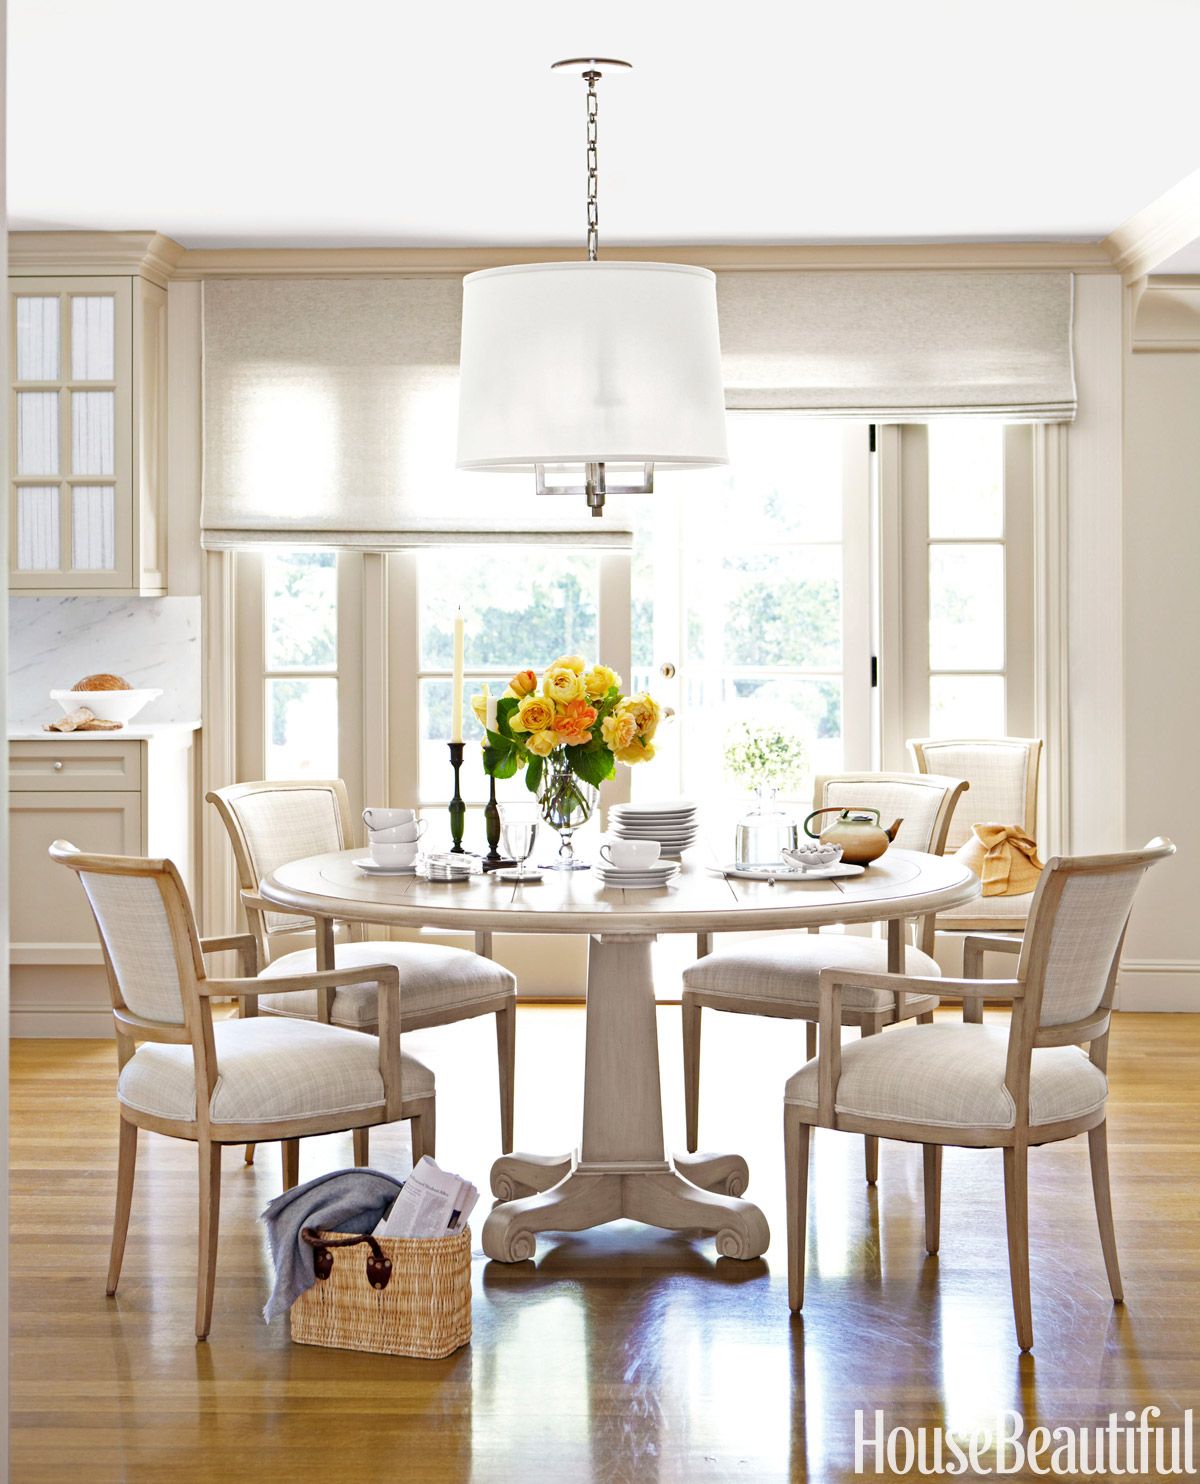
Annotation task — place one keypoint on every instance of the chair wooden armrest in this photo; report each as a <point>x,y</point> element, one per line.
<point>230,943</point>
<point>245,945</point>
<point>386,976</point>
<point>948,989</point>
<point>254,903</point>
<point>975,945</point>
<point>993,943</point>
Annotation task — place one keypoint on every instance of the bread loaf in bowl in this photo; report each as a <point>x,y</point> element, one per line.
<point>102,682</point>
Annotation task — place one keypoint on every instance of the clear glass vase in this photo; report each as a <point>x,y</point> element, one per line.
<point>766,831</point>
<point>566,803</point>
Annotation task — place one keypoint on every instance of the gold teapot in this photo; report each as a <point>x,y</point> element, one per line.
<point>857,831</point>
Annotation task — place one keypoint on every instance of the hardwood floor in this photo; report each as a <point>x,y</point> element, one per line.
<point>621,1354</point>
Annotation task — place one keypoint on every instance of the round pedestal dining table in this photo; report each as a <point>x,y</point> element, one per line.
<point>622,1167</point>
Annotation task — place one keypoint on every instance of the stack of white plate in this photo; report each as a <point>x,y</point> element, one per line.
<point>640,878</point>
<point>675,826</point>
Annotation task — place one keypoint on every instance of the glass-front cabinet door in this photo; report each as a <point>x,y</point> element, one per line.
<point>83,497</point>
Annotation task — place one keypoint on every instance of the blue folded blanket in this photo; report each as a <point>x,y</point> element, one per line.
<point>343,1201</point>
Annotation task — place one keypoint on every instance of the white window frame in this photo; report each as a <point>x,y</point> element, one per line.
<point>904,546</point>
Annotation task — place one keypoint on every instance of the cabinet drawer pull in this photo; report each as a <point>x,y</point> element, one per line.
<point>58,765</point>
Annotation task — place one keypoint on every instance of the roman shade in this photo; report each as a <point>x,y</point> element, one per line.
<point>899,346</point>
<point>330,405</point>
<point>330,416</point>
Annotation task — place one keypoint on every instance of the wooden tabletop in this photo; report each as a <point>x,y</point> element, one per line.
<point>902,883</point>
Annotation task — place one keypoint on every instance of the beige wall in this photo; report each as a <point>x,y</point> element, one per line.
<point>1161,609</point>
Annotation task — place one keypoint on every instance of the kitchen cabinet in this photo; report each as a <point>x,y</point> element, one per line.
<point>87,435</point>
<point>126,793</point>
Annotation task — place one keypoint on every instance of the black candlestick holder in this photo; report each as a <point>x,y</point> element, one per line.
<point>493,860</point>
<point>458,810</point>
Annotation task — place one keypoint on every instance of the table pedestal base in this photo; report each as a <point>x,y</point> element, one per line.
<point>582,1197</point>
<point>622,1169</point>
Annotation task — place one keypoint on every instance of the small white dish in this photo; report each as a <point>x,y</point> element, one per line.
<point>787,873</point>
<point>637,885</point>
<point>106,705</point>
<point>373,868</point>
<point>657,868</point>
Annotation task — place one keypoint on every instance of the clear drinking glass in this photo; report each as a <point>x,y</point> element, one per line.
<point>519,823</point>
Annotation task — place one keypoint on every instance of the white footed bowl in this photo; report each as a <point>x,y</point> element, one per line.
<point>106,705</point>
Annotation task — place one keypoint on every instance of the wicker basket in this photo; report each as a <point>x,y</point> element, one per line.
<point>422,1309</point>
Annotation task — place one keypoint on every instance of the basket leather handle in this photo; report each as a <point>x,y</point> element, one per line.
<point>379,1267</point>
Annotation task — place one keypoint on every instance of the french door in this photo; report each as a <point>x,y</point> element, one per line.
<point>752,607</point>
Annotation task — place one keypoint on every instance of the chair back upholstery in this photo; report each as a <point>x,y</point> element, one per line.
<point>925,803</point>
<point>1076,930</point>
<point>271,823</point>
<point>147,931</point>
<point>1003,777</point>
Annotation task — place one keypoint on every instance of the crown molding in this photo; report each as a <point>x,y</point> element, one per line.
<point>1153,234</point>
<point>147,255</point>
<point>351,262</point>
<point>156,257</point>
<point>1166,316</point>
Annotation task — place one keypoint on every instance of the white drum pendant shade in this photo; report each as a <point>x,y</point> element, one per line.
<point>592,362</point>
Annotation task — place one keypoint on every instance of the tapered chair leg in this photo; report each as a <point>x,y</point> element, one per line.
<point>691,1071</point>
<point>810,1039</point>
<point>506,1050</point>
<point>1098,1151</point>
<point>423,1128</point>
<point>871,1142</point>
<point>362,1146</point>
<point>126,1163</point>
<point>290,1150</point>
<point>796,1139</point>
<point>932,1157</point>
<point>249,1154</point>
<point>1016,1210</point>
<point>210,1209</point>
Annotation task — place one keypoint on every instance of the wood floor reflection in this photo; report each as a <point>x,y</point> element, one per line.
<point>621,1354</point>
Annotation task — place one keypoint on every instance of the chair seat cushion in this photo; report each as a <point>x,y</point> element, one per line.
<point>268,1069</point>
<point>988,913</point>
<point>787,969</point>
<point>952,1076</point>
<point>432,978</point>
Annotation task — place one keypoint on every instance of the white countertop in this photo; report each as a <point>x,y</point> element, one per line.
<point>132,732</point>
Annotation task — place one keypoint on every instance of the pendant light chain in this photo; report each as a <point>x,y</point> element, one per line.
<point>593,220</point>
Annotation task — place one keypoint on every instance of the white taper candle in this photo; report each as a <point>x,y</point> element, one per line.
<point>456,698</point>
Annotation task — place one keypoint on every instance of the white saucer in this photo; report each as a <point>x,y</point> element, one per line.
<point>372,868</point>
<point>636,884</point>
<point>638,878</point>
<point>787,873</point>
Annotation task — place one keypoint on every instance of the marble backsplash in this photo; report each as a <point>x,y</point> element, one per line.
<point>53,642</point>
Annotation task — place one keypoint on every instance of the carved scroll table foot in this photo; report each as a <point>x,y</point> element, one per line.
<point>725,1174</point>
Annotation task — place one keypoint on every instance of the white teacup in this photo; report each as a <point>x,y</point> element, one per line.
<point>396,856</point>
<point>387,819</point>
<point>629,855</point>
<point>399,834</point>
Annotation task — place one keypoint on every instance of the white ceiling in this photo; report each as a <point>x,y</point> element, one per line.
<point>373,122</point>
<point>1186,260</point>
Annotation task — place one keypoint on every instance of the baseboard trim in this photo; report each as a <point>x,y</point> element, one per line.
<point>1169,986</point>
<point>66,1022</point>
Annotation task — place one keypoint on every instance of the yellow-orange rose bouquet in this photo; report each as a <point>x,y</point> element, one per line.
<point>568,731</point>
<point>575,716</point>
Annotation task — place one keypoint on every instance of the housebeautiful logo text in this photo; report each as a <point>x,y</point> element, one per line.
<point>1132,1445</point>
